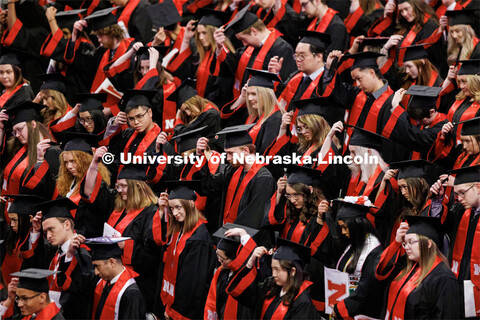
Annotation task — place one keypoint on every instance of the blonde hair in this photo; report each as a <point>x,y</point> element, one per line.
<point>192,215</point>
<point>319,128</point>
<point>266,102</point>
<point>467,45</point>
<point>427,259</point>
<point>139,195</point>
<point>196,105</point>
<point>82,160</point>
<point>473,85</point>
<point>368,6</point>
<point>211,42</point>
<point>60,105</point>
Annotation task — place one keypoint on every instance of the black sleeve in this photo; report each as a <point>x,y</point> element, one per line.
<point>132,305</point>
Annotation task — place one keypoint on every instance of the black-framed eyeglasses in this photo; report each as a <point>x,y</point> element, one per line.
<point>138,117</point>
<point>85,120</point>
<point>456,195</point>
<point>25,299</point>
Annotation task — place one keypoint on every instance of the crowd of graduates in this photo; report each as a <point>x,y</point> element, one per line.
<point>90,89</point>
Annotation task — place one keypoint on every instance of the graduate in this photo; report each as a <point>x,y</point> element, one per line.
<point>93,61</point>
<point>16,246</point>
<point>141,136</point>
<point>462,43</point>
<point>189,259</point>
<point>67,288</point>
<point>233,249</point>
<point>326,20</point>
<point>308,82</point>
<point>463,255</point>
<point>32,295</point>
<point>280,293</point>
<point>75,160</point>
<point>35,156</point>
<point>245,188</point>
<point>262,108</point>
<point>116,294</point>
<point>132,213</point>
<point>90,117</point>
<point>423,286</point>
<point>363,13</point>
<point>15,89</point>
<point>133,17</point>
<point>252,32</point>
<point>359,260</point>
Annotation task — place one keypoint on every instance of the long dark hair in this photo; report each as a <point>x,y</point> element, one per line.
<point>293,283</point>
<point>358,228</point>
<point>12,237</point>
<point>311,200</point>
<point>418,190</point>
<point>99,122</point>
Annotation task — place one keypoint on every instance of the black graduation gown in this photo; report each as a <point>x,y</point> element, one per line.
<point>145,254</point>
<point>47,172</point>
<point>280,48</point>
<point>268,132</point>
<point>288,25</point>
<point>253,293</point>
<point>364,23</point>
<point>25,93</point>
<point>339,38</point>
<point>139,24</point>
<point>364,300</point>
<point>195,270</point>
<point>252,204</point>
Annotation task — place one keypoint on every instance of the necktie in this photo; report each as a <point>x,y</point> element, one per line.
<point>103,298</point>
<point>303,87</point>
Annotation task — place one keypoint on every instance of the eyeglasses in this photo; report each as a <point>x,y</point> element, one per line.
<point>16,132</point>
<point>299,57</point>
<point>295,196</point>
<point>138,117</point>
<point>409,244</point>
<point>88,120</point>
<point>458,194</point>
<point>25,299</point>
<point>119,186</point>
<point>302,129</point>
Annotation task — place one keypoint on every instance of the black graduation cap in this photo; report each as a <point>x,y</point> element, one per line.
<point>24,203</point>
<point>34,279</point>
<point>471,67</point>
<point>237,136</point>
<point>466,175</point>
<point>465,16</point>
<point>54,81</point>
<point>415,52</point>
<point>310,106</point>
<point>367,139</point>
<point>104,248</point>
<point>367,59</point>
<point>430,227</point>
<point>164,14</point>
<point>183,92</point>
<point>25,111</point>
<point>58,208</point>
<point>243,20</point>
<point>209,17</point>
<point>134,172</point>
<point>307,176</point>
<point>292,251</point>
<point>188,140</point>
<point>101,19</point>
<point>77,141</point>
<point>412,169</point>
<point>262,78</point>
<point>66,19</point>
<point>471,127</point>
<point>230,244</point>
<point>182,189</point>
<point>348,210</point>
<point>319,40</point>
<point>423,97</point>
<point>374,41</point>
<point>10,58</point>
<point>91,101</point>
<point>142,52</point>
<point>134,98</point>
